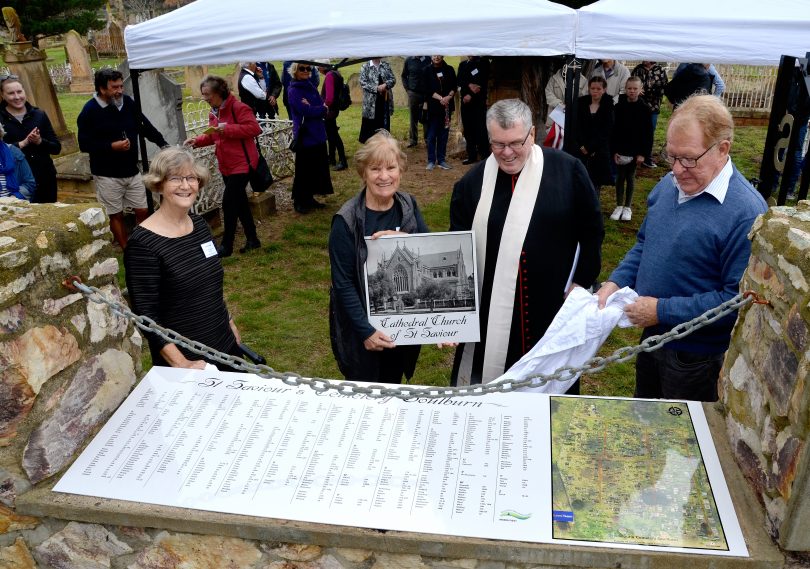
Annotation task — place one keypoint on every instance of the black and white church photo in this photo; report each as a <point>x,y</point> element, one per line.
<point>422,288</point>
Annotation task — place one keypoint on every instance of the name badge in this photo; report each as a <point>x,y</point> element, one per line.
<point>209,250</point>
<point>440,74</point>
<point>474,72</point>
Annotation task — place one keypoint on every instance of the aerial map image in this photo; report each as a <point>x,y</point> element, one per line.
<point>630,471</point>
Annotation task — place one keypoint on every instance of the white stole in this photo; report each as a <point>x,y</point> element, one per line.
<point>507,265</point>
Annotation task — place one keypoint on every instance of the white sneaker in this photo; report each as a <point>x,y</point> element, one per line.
<point>627,213</point>
<point>616,213</point>
<point>430,166</point>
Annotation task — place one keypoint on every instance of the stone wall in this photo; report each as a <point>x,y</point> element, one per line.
<point>765,376</point>
<point>65,364</point>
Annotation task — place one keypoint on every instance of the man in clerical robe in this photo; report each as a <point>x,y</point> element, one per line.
<point>538,233</point>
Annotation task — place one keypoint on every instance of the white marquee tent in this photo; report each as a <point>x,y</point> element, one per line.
<point>219,32</point>
<point>753,32</point>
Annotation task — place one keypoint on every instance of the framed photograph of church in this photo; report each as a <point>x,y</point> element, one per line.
<point>423,288</point>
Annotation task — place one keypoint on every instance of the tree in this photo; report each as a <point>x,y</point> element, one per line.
<point>51,17</point>
<point>433,290</point>
<point>380,289</point>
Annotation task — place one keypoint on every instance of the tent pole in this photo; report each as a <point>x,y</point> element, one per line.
<point>136,95</point>
<point>573,69</point>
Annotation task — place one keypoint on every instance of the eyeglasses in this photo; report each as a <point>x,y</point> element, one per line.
<point>685,162</point>
<point>304,68</point>
<point>178,180</point>
<point>514,146</point>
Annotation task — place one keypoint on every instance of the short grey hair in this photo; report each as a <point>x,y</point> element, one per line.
<point>170,161</point>
<point>508,112</point>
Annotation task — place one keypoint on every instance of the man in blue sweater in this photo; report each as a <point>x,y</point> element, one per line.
<point>690,254</point>
<point>109,125</point>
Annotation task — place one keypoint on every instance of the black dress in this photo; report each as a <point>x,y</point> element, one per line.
<point>593,131</point>
<point>37,155</point>
<point>172,281</point>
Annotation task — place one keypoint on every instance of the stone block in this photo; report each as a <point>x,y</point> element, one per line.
<point>398,561</point>
<point>751,408</point>
<point>12,484</point>
<point>11,521</point>
<point>170,551</point>
<point>18,399</point>
<point>11,318</point>
<point>17,556</point>
<point>96,390</point>
<point>41,353</point>
<point>785,461</point>
<point>262,205</point>
<point>794,274</point>
<point>80,546</point>
<point>54,306</point>
<point>796,329</point>
<point>297,552</point>
<point>104,322</point>
<point>779,374</point>
<point>354,555</point>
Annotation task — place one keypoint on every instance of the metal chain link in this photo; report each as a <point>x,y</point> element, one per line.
<point>593,365</point>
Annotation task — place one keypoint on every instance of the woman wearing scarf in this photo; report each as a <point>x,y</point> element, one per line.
<point>377,81</point>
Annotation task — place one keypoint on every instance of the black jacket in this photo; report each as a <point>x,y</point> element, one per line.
<point>37,155</point>
<point>413,73</point>
<point>476,71</point>
<point>441,85</point>
<point>100,126</point>
<point>632,128</point>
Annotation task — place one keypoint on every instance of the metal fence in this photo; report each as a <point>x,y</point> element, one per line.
<point>748,87</point>
<point>274,142</point>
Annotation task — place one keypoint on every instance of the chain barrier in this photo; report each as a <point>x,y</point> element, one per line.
<point>594,365</point>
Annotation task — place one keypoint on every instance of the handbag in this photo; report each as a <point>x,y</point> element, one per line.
<point>294,142</point>
<point>260,177</point>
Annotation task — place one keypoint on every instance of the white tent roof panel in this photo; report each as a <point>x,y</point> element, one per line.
<point>754,32</point>
<point>217,32</point>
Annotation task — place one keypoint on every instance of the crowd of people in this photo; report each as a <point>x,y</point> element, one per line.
<point>534,210</point>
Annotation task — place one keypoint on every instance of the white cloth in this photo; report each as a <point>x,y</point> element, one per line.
<point>502,302</point>
<point>578,330</point>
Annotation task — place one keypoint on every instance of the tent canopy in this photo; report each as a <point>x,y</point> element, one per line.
<point>216,32</point>
<point>753,32</point>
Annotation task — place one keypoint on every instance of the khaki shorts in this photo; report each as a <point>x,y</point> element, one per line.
<point>116,194</point>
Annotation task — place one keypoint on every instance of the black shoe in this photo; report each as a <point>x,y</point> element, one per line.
<point>468,161</point>
<point>250,244</point>
<point>301,209</point>
<point>316,205</point>
<point>332,162</point>
<point>224,251</point>
<point>340,166</point>
<point>412,144</point>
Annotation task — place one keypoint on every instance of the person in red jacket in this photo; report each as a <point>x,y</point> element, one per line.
<point>232,128</point>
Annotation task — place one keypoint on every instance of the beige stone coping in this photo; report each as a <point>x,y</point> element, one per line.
<point>763,553</point>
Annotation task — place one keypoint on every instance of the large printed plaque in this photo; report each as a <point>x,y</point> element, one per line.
<point>514,466</point>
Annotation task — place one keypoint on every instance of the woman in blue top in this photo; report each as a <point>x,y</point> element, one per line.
<point>311,157</point>
<point>16,178</point>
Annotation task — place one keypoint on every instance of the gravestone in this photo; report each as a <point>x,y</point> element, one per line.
<point>81,70</point>
<point>116,38</point>
<point>193,75</point>
<point>92,52</point>
<point>161,103</point>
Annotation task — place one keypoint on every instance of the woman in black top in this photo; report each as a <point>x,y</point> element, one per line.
<point>362,352</point>
<point>29,128</point>
<point>593,131</point>
<point>173,273</point>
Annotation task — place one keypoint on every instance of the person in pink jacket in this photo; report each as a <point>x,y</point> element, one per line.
<point>232,128</point>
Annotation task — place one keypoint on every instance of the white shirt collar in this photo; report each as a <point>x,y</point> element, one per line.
<point>102,103</point>
<point>717,187</point>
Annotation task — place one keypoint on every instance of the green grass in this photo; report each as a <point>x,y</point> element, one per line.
<point>279,294</point>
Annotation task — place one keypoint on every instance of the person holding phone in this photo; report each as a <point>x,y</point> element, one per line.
<point>109,125</point>
<point>29,129</point>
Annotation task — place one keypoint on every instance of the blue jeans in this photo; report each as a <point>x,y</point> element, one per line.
<point>437,139</point>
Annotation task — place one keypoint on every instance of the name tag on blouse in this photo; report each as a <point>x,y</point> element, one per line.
<point>440,74</point>
<point>474,72</point>
<point>209,250</point>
